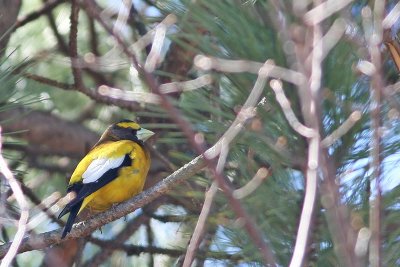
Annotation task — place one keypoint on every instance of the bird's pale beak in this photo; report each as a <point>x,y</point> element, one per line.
<point>144,134</point>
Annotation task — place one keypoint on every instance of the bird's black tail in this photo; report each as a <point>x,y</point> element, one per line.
<point>73,212</point>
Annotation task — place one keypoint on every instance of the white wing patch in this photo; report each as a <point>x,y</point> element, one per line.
<point>100,166</point>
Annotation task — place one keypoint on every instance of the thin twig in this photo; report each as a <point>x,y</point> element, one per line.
<point>50,82</point>
<point>60,40</point>
<point>123,15</point>
<point>205,211</point>
<point>240,66</point>
<point>94,42</point>
<point>246,112</point>
<point>189,85</point>
<point>305,131</point>
<point>312,118</point>
<point>93,94</point>
<point>200,226</point>
<point>376,89</point>
<point>342,130</point>
<point>73,45</point>
<point>331,38</point>
<point>38,13</point>
<point>43,205</point>
<point>166,218</point>
<point>154,58</point>
<point>324,11</point>
<point>150,242</point>
<point>137,250</point>
<point>253,184</point>
<point>13,247</point>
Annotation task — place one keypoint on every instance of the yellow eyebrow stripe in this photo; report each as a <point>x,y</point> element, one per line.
<point>131,125</point>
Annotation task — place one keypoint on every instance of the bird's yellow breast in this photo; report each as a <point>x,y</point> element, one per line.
<point>130,179</point>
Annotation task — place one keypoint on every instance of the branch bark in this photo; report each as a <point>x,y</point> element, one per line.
<point>48,132</point>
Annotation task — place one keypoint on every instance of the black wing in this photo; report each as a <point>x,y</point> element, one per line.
<point>83,190</point>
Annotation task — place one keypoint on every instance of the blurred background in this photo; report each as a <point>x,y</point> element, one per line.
<point>310,86</point>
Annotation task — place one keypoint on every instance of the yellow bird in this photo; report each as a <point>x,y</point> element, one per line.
<point>113,171</point>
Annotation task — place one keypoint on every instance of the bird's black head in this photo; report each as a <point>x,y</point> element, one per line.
<point>126,130</point>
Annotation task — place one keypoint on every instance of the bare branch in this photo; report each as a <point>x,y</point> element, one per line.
<point>375,40</point>
<point>342,130</point>
<point>87,227</point>
<point>305,131</point>
<point>137,250</point>
<point>13,247</point>
<point>239,66</point>
<point>324,11</point>
<point>331,38</point>
<point>154,58</point>
<point>36,14</point>
<point>73,45</point>
<point>199,82</point>
<point>253,184</point>
<point>392,17</point>
<point>312,116</point>
<point>93,94</point>
<point>200,226</point>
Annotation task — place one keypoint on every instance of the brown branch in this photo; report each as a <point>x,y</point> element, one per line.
<point>85,228</point>
<point>60,40</point>
<point>48,6</point>
<point>137,250</point>
<point>337,215</point>
<point>49,82</point>
<point>73,45</point>
<point>150,242</point>
<point>48,133</point>
<point>32,197</point>
<point>165,218</point>
<point>94,42</point>
<point>198,233</point>
<point>97,77</point>
<point>376,90</point>
<point>96,96</point>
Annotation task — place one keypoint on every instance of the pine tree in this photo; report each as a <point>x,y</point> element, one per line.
<point>296,103</point>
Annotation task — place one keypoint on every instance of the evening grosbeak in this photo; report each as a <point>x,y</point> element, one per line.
<point>113,171</point>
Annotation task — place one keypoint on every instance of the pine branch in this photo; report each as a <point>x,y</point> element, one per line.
<point>132,250</point>
<point>47,7</point>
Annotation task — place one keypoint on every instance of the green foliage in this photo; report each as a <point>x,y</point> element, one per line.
<point>237,32</point>
<point>234,30</point>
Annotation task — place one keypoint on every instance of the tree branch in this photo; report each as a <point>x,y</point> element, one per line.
<point>38,13</point>
<point>137,250</point>
<point>87,227</point>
